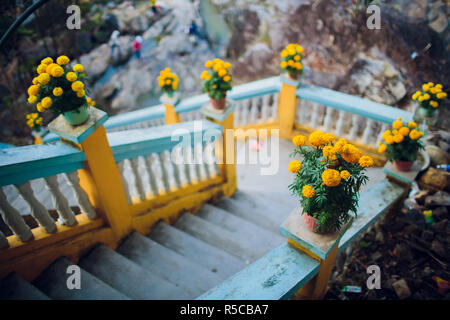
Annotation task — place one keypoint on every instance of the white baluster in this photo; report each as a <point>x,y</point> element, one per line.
<point>148,163</point>
<point>81,197</point>
<point>340,124</point>
<point>172,179</point>
<point>254,110</point>
<point>237,114</point>
<point>14,220</point>
<point>300,114</point>
<point>65,214</point>
<point>164,173</point>
<point>383,128</point>
<point>200,168</point>
<point>328,120</point>
<point>315,116</point>
<point>245,111</point>
<point>134,164</point>
<point>180,166</point>
<point>3,241</point>
<point>368,131</point>
<point>354,128</point>
<point>191,163</point>
<point>265,108</point>
<point>275,106</point>
<point>210,157</point>
<point>121,166</point>
<point>38,211</point>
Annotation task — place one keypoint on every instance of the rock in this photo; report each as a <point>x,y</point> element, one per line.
<point>427,272</point>
<point>411,229</point>
<point>437,156</point>
<point>444,135</point>
<point>403,252</point>
<point>427,235</point>
<point>375,256</point>
<point>379,237</point>
<point>435,179</point>
<point>444,146</point>
<point>401,289</point>
<point>438,248</point>
<point>440,213</point>
<point>256,59</point>
<point>439,199</point>
<point>420,197</point>
<point>440,226</point>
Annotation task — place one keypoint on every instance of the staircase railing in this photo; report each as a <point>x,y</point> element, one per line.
<point>122,181</point>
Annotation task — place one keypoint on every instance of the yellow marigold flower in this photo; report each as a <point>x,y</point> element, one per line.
<point>174,86</point>
<point>291,63</point>
<point>420,99</point>
<point>284,53</point>
<point>394,132</point>
<point>389,139</point>
<point>426,96</point>
<point>227,65</point>
<point>57,71</point>
<point>339,145</point>
<point>295,166</point>
<point>425,87</point>
<point>414,134</point>
<point>88,99</point>
<point>412,125</point>
<point>441,95</point>
<point>439,86</point>
<point>35,80</point>
<point>297,58</point>
<point>308,191</point>
<point>47,61</point>
<point>62,60</point>
<point>366,162</point>
<point>350,153</point>
<point>292,52</point>
<point>168,81</point>
<point>58,91</point>
<point>92,103</point>
<point>81,93</point>
<point>331,178</point>
<point>328,137</point>
<point>434,104</point>
<point>33,90</point>
<point>430,84</point>
<point>329,151</point>
<point>43,78</point>
<point>345,174</point>
<point>39,107</point>
<point>77,86</point>
<point>416,95</point>
<point>397,124</point>
<point>46,102</point>
<point>50,67</point>
<point>217,67</point>
<point>298,66</point>
<point>32,99</point>
<point>382,148</point>
<point>299,140</point>
<point>404,131</point>
<point>434,90</point>
<point>208,64</point>
<point>227,78</point>
<point>71,76</point>
<point>78,68</point>
<point>300,49</point>
<point>398,138</point>
<point>222,72</point>
<point>283,64</point>
<point>317,139</point>
<point>214,86</point>
<point>41,68</point>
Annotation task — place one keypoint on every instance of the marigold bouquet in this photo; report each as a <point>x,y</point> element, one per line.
<point>168,81</point>
<point>291,61</point>
<point>217,79</point>
<point>402,141</point>
<point>328,179</point>
<point>430,95</point>
<point>57,88</point>
<point>34,121</point>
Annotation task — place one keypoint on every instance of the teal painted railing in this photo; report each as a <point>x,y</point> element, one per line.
<point>284,270</point>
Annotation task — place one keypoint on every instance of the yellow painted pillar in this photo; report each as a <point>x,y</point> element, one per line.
<point>287,107</point>
<point>171,116</point>
<point>225,149</point>
<point>100,178</point>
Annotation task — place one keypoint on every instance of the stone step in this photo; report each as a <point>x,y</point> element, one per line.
<point>13,287</point>
<point>254,234</point>
<point>190,278</point>
<point>126,276</point>
<point>53,282</point>
<point>289,201</point>
<point>208,232</point>
<point>213,258</point>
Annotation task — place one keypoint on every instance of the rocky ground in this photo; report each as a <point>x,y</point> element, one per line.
<point>412,251</point>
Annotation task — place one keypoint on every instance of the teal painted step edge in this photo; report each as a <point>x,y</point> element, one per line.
<point>352,104</point>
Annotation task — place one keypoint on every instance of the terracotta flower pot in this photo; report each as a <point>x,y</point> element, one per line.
<point>77,116</point>
<point>311,224</point>
<point>219,104</point>
<point>294,76</point>
<point>403,165</point>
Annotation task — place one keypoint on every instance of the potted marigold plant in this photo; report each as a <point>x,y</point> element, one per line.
<point>217,81</point>
<point>291,61</point>
<point>402,143</point>
<point>327,180</point>
<point>168,82</point>
<point>429,98</point>
<point>61,90</point>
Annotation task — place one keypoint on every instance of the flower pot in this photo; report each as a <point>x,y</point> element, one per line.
<point>219,104</point>
<point>311,224</point>
<point>426,113</point>
<point>77,116</point>
<point>294,76</point>
<point>403,165</point>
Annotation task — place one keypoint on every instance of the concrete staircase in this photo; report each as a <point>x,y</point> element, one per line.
<point>179,261</point>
